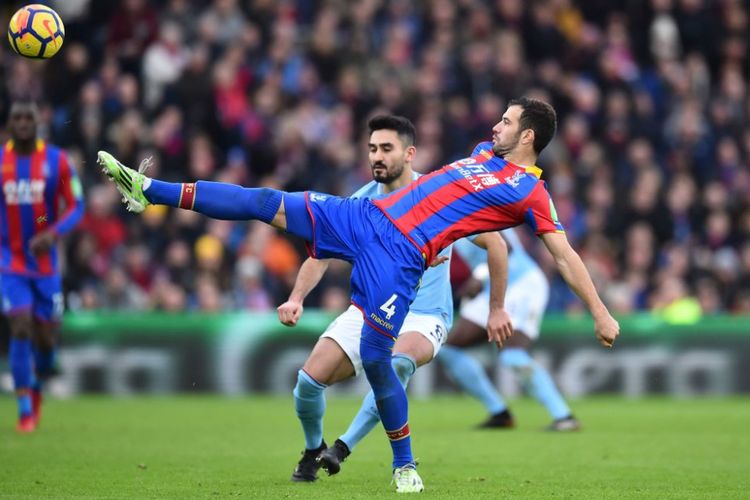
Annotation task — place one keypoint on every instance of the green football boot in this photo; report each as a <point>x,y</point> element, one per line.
<point>128,182</point>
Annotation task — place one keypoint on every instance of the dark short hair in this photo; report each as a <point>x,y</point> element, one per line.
<point>401,125</point>
<point>540,117</point>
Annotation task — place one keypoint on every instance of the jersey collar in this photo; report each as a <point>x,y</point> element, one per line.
<point>534,170</point>
<point>10,145</point>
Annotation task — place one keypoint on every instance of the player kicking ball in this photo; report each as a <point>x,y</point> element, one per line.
<point>390,241</point>
<point>335,356</point>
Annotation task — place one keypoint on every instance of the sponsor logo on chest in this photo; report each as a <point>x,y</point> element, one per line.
<point>24,191</point>
<point>479,176</point>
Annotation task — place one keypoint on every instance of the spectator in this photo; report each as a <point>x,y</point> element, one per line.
<point>650,169</point>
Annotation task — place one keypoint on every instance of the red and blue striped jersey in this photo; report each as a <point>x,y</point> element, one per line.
<point>32,188</point>
<point>474,195</point>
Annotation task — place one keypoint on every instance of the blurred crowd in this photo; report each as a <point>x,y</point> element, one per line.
<point>649,171</point>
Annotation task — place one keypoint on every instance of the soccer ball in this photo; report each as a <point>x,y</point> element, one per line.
<point>36,31</point>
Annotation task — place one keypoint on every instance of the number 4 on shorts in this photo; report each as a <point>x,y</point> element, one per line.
<point>388,308</point>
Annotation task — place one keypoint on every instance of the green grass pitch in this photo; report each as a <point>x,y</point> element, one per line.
<point>210,447</point>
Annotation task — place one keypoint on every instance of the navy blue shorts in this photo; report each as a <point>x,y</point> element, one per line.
<point>386,267</point>
<point>42,295</point>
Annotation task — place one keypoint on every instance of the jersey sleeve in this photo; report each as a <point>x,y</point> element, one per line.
<point>70,190</point>
<point>540,212</point>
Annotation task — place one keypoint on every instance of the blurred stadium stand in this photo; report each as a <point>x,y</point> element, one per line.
<point>649,170</point>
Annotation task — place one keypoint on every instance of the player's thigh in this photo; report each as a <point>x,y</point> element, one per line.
<point>17,301</point>
<point>518,340</point>
<point>48,298</point>
<point>337,225</point>
<point>328,363</point>
<point>346,331</point>
<point>466,333</point>
<point>421,337</point>
<point>17,294</point>
<point>384,286</point>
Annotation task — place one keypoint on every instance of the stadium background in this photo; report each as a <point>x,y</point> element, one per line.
<point>649,170</point>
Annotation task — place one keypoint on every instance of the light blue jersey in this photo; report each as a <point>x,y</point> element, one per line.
<point>434,296</point>
<point>519,262</point>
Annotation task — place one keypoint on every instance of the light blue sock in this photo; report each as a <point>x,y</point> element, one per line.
<point>471,377</point>
<point>310,404</point>
<point>368,417</point>
<point>537,382</point>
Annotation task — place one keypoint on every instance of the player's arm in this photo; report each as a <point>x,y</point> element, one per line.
<point>308,277</point>
<point>576,275</point>
<point>499,327</point>
<point>69,189</point>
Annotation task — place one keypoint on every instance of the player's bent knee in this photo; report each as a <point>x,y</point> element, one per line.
<point>306,386</point>
<point>466,334</point>
<point>20,326</point>
<point>416,346</point>
<point>328,363</point>
<point>404,366</point>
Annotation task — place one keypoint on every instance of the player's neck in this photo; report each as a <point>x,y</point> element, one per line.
<point>403,180</point>
<point>24,148</point>
<point>521,159</point>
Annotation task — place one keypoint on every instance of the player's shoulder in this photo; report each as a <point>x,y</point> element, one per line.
<point>369,190</point>
<point>53,149</point>
<point>482,147</point>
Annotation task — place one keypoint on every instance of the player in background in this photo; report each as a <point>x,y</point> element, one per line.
<point>335,356</point>
<point>391,240</point>
<point>525,300</point>
<point>35,178</point>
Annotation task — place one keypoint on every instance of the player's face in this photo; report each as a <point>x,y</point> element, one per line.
<point>22,123</point>
<point>387,156</point>
<point>506,134</point>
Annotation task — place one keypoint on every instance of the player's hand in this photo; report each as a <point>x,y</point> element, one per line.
<point>440,259</point>
<point>289,312</point>
<point>499,327</point>
<point>607,329</point>
<point>42,242</point>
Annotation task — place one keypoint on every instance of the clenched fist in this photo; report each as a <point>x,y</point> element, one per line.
<point>289,312</point>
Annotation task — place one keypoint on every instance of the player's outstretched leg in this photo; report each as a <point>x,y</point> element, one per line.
<point>310,404</point>
<point>214,199</point>
<point>539,384</point>
<point>365,420</point>
<point>129,182</point>
<point>472,379</point>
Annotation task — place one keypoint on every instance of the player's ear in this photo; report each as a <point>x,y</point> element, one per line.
<point>528,136</point>
<point>410,152</point>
